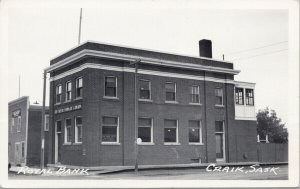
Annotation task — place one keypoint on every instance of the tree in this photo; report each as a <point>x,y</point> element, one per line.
<point>269,124</point>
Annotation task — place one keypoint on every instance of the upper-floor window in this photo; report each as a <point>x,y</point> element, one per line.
<point>68,91</point>
<point>170,91</point>
<point>12,124</point>
<point>145,130</point>
<point>46,123</point>
<point>58,92</point>
<point>219,96</point>
<point>195,94</point>
<point>110,86</point>
<point>58,126</point>
<point>249,97</point>
<point>145,89</point>
<point>110,129</point>
<point>19,124</point>
<point>195,131</point>
<point>239,96</point>
<point>170,131</point>
<point>79,85</point>
<point>68,131</point>
<point>78,129</point>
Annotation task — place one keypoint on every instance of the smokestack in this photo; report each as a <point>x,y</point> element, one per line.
<point>205,48</point>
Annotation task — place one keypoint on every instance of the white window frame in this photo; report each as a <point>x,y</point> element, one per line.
<point>151,140</point>
<point>150,96</point>
<point>66,134</point>
<point>45,126</point>
<point>222,104</point>
<point>198,89</point>
<point>200,134</point>
<point>70,91</point>
<point>76,130</point>
<point>76,87</point>
<point>57,86</point>
<point>177,137</point>
<point>19,123</point>
<point>118,134</point>
<point>171,101</point>
<point>116,87</point>
<point>249,98</point>
<point>224,145</point>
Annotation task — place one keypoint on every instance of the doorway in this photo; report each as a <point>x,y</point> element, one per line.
<point>220,141</point>
<point>58,141</point>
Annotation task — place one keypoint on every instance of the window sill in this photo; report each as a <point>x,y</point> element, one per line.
<point>78,98</point>
<point>196,143</point>
<point>219,106</point>
<point>67,144</point>
<point>171,102</point>
<point>146,100</point>
<point>146,144</point>
<point>195,104</point>
<point>56,104</point>
<point>77,143</point>
<point>110,98</point>
<point>111,143</point>
<point>67,101</point>
<point>172,144</point>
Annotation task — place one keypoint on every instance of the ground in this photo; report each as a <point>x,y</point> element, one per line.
<point>280,172</point>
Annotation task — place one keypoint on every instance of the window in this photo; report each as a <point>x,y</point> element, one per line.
<point>219,126</point>
<point>239,96</point>
<point>19,125</point>
<point>110,129</point>
<point>12,124</point>
<point>68,131</point>
<point>145,89</point>
<point>249,97</point>
<point>170,91</point>
<point>220,139</point>
<point>195,131</point>
<point>195,94</point>
<point>145,129</point>
<point>78,129</point>
<point>46,123</point>
<point>219,96</point>
<point>58,126</point>
<point>58,94</point>
<point>68,91</point>
<point>111,86</point>
<point>23,149</point>
<point>170,131</point>
<point>79,87</point>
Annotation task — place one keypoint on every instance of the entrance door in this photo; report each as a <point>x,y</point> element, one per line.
<point>17,153</point>
<point>58,141</point>
<point>220,141</point>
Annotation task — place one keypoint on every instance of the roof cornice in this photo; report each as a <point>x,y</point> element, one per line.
<point>153,61</point>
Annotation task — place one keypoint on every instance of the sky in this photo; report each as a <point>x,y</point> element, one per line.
<point>36,35</point>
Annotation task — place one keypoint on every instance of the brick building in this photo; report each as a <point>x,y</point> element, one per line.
<point>24,133</point>
<point>190,109</point>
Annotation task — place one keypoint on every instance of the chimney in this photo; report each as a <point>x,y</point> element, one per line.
<point>205,48</point>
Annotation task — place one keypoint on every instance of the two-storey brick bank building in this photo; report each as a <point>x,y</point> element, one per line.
<point>190,109</point>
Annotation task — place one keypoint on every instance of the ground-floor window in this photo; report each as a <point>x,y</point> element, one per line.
<point>110,129</point>
<point>220,140</point>
<point>170,131</point>
<point>78,129</point>
<point>145,129</point>
<point>68,131</point>
<point>195,131</point>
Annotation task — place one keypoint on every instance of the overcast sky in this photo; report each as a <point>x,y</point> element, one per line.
<point>36,35</point>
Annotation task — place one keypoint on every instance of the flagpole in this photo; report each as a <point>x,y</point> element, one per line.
<point>79,34</point>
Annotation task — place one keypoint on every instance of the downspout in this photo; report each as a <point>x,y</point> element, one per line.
<point>205,116</point>
<point>227,125</point>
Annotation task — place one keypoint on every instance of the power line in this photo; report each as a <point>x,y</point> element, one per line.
<point>259,54</point>
<point>273,44</point>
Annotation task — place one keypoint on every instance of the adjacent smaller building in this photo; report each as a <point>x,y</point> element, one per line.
<point>24,132</point>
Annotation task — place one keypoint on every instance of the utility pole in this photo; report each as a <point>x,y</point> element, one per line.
<point>135,115</point>
<point>79,34</point>
<point>43,122</point>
